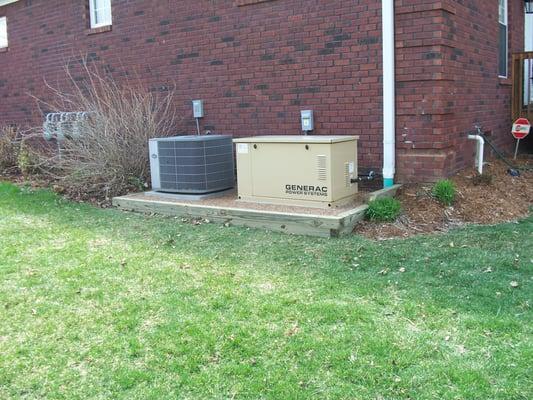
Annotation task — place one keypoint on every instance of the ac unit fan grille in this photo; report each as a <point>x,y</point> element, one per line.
<point>199,166</point>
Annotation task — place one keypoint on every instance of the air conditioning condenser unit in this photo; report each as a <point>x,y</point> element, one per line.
<point>192,164</point>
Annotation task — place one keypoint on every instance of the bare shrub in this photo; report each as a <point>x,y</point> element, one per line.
<point>9,148</point>
<point>110,155</point>
<point>32,149</point>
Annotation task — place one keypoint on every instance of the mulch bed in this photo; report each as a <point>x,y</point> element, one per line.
<point>504,198</point>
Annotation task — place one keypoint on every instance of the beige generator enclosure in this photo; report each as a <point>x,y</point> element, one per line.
<point>309,171</point>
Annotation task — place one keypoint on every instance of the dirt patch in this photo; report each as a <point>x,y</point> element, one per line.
<point>499,198</point>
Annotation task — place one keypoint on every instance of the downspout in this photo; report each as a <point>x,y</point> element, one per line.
<point>389,96</point>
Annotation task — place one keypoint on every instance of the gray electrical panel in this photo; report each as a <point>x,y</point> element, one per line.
<point>308,123</point>
<point>192,164</point>
<point>198,108</point>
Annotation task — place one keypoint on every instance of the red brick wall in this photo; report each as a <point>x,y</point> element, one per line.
<point>447,82</point>
<point>256,64</point>
<point>479,95</point>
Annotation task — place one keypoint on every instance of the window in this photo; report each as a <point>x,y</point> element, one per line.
<point>3,32</point>
<point>528,81</point>
<point>503,38</point>
<point>100,11</point>
<point>528,64</point>
<point>529,32</point>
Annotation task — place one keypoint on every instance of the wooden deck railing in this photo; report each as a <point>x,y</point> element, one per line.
<point>522,100</point>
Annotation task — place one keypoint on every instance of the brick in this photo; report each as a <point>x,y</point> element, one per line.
<point>257,63</point>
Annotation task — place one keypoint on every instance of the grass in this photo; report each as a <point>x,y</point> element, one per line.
<point>384,209</point>
<point>445,191</point>
<point>101,304</point>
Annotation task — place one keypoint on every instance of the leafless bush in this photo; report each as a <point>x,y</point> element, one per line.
<point>9,148</point>
<point>110,156</point>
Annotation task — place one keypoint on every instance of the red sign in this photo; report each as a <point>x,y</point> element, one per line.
<point>521,128</point>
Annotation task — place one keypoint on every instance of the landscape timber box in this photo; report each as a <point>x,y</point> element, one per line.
<point>333,222</point>
<point>308,171</point>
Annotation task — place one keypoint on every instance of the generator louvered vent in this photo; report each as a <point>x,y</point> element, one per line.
<point>192,164</point>
<point>347,181</point>
<point>322,172</point>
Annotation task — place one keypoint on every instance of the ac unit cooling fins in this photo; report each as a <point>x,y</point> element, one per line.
<point>192,164</point>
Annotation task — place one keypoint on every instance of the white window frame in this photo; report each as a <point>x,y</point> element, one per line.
<point>4,44</point>
<point>94,9</point>
<point>505,22</point>
<point>528,32</point>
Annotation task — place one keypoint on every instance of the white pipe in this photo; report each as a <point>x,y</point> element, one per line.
<point>198,126</point>
<point>389,96</point>
<point>480,148</point>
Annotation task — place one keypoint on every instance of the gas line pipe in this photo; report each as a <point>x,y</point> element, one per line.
<point>480,148</point>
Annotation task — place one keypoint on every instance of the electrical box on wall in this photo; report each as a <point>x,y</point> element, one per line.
<point>308,171</point>
<point>308,123</point>
<point>198,108</point>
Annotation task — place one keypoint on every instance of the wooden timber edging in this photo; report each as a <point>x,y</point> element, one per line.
<point>294,223</point>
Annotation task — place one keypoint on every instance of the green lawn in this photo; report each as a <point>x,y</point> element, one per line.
<point>98,304</point>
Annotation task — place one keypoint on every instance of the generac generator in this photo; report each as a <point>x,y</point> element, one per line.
<point>308,171</point>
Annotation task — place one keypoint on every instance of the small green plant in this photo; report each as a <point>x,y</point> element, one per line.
<point>385,209</point>
<point>137,182</point>
<point>444,191</point>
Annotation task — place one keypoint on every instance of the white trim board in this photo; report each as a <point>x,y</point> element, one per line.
<point>6,2</point>
<point>529,33</point>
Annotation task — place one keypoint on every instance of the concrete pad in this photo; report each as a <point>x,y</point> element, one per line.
<point>190,197</point>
